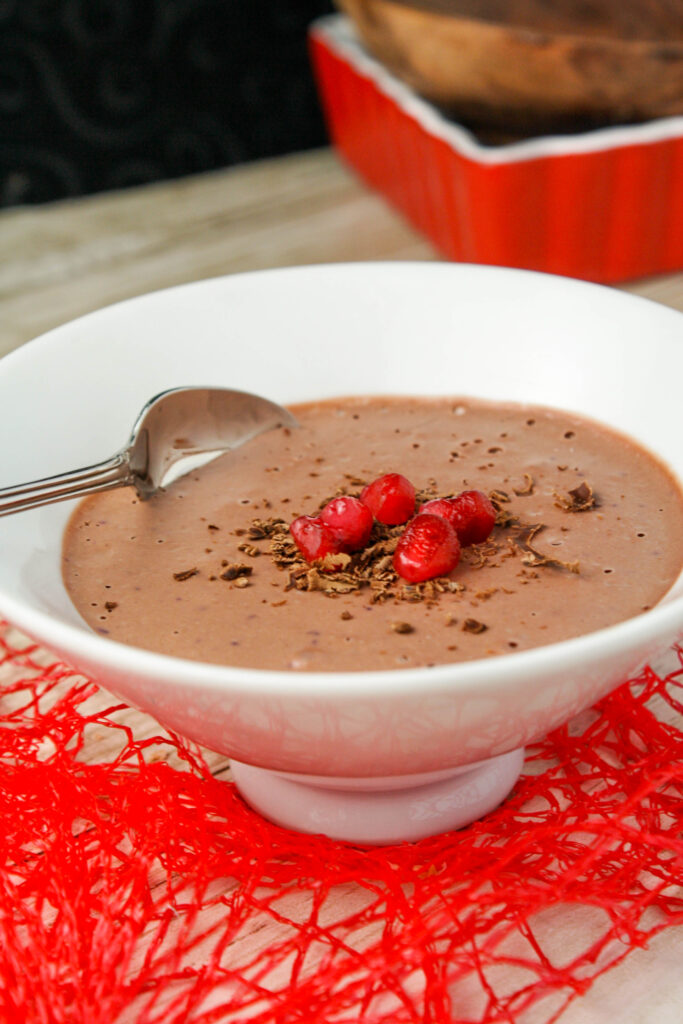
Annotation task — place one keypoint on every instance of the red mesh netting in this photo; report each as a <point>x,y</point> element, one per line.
<point>136,886</point>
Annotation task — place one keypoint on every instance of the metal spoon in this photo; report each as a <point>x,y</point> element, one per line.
<point>173,425</point>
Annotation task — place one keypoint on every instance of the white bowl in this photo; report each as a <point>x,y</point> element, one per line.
<point>366,756</point>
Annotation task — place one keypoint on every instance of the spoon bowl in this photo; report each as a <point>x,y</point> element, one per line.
<point>175,430</point>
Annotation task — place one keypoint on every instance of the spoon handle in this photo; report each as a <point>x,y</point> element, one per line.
<point>103,476</point>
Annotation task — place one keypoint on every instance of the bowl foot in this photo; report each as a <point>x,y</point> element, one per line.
<point>376,812</point>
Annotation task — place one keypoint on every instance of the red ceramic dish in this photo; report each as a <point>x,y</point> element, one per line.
<point>604,205</point>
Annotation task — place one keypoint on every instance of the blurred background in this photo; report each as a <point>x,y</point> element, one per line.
<point>105,94</point>
<point>438,113</point>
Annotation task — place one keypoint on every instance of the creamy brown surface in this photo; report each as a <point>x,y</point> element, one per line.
<point>121,554</point>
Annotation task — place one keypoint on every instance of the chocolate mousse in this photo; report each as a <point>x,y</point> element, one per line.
<point>589,532</point>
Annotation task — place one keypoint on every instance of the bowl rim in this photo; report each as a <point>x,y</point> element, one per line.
<point>336,31</point>
<point>663,621</point>
<point>629,635</point>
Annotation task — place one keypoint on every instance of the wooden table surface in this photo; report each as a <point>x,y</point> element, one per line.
<point>68,258</point>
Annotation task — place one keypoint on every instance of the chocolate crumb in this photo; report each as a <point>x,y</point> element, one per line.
<point>581,499</point>
<point>346,615</point>
<point>473,626</point>
<point>236,570</point>
<point>110,605</point>
<point>402,627</point>
<point>185,574</point>
<point>212,526</point>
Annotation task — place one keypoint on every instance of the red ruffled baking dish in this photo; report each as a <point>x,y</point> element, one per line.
<point>604,205</point>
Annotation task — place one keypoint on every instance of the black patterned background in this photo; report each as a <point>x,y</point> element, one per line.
<point>101,94</point>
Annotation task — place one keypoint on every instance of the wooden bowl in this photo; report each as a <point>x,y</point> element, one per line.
<point>530,65</point>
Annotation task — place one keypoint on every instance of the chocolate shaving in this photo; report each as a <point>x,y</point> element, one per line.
<point>370,569</point>
<point>333,562</point>
<point>262,529</point>
<point>249,549</point>
<point>479,555</point>
<point>581,499</point>
<point>473,626</point>
<point>536,558</point>
<point>504,518</point>
<point>425,494</point>
<point>185,574</point>
<point>235,570</point>
<point>528,487</point>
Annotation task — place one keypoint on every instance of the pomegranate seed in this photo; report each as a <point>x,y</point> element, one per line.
<point>390,498</point>
<point>428,547</point>
<point>313,538</point>
<point>479,517</point>
<point>350,521</point>
<point>471,515</point>
<point>444,507</point>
